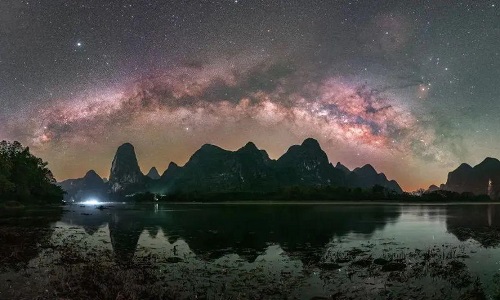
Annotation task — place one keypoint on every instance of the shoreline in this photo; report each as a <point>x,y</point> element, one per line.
<point>304,202</point>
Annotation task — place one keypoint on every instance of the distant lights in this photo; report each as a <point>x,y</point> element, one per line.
<point>92,201</point>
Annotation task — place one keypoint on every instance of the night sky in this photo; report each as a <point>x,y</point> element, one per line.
<point>411,87</point>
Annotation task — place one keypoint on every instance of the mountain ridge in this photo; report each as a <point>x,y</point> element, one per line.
<point>248,169</point>
<point>482,179</point>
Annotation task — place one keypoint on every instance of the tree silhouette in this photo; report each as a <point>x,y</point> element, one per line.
<point>25,177</point>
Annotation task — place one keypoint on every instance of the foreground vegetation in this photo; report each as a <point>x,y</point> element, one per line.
<point>25,178</point>
<point>71,268</point>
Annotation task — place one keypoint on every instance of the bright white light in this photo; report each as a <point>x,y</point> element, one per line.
<point>91,202</point>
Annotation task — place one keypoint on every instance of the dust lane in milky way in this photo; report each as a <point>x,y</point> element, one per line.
<point>210,96</point>
<point>202,99</point>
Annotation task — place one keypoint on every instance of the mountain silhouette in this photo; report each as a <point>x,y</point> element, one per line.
<point>153,173</point>
<point>342,168</point>
<point>482,179</point>
<point>367,177</point>
<point>307,164</point>
<point>213,169</point>
<point>90,186</point>
<point>249,169</point>
<point>125,175</point>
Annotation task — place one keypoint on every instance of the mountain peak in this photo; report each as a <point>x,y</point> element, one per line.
<point>308,150</point>
<point>366,169</point>
<point>153,173</point>
<point>171,171</point>
<point>311,143</point>
<point>126,147</point>
<point>464,166</point>
<point>433,188</point>
<point>208,148</point>
<point>249,146</point>
<point>308,164</point>
<point>124,168</point>
<point>92,174</point>
<point>489,161</point>
<point>342,168</point>
<point>367,177</point>
<point>206,151</point>
<point>172,165</point>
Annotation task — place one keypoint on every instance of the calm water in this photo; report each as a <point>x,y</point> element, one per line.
<point>274,250</point>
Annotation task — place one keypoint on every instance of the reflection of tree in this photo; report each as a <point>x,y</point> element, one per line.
<point>22,233</point>
<point>477,222</point>
<point>214,230</point>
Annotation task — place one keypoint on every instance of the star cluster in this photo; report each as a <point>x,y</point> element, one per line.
<point>411,88</point>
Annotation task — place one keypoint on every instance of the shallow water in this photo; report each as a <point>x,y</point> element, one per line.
<point>264,250</point>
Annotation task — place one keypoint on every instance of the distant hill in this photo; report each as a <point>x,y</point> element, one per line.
<point>90,186</point>
<point>212,169</point>
<point>482,179</point>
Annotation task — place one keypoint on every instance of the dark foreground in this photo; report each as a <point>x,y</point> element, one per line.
<point>243,251</point>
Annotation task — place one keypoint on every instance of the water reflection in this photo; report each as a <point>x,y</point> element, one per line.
<point>478,222</point>
<point>212,231</point>
<point>215,230</point>
<point>23,232</point>
<point>284,249</point>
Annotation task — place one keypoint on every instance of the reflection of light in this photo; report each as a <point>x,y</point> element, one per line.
<point>91,202</point>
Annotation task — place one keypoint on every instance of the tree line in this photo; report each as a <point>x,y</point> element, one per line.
<point>24,177</point>
<point>313,193</point>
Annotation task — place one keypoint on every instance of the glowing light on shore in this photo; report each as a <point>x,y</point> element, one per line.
<point>92,201</point>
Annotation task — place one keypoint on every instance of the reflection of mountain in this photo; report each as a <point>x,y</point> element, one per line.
<point>477,222</point>
<point>124,231</point>
<point>212,231</point>
<point>89,219</point>
<point>249,229</point>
